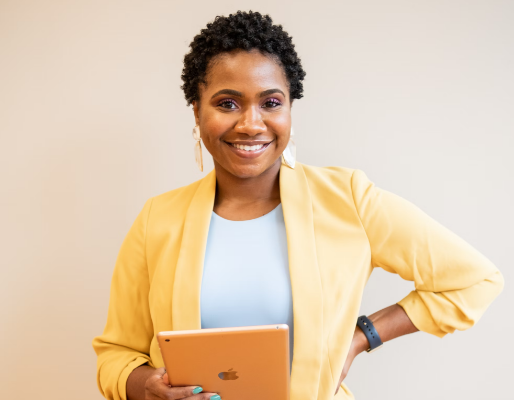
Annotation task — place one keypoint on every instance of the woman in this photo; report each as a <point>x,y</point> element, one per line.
<point>268,232</point>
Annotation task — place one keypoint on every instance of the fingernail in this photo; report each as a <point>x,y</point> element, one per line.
<point>215,397</point>
<point>197,390</point>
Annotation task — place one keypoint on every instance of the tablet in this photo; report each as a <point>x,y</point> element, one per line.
<point>238,363</point>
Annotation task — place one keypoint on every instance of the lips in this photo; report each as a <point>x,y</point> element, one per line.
<point>255,149</point>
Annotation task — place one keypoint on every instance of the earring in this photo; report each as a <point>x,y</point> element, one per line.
<point>289,154</point>
<point>198,147</point>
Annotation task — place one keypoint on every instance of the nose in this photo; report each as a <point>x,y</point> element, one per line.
<point>250,122</point>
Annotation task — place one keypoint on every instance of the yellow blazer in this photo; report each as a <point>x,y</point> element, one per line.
<point>339,227</point>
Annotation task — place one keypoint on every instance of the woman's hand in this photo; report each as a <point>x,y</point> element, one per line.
<point>390,322</point>
<point>147,383</point>
<point>157,386</point>
<point>359,344</point>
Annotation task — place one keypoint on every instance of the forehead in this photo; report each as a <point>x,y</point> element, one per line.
<point>248,72</point>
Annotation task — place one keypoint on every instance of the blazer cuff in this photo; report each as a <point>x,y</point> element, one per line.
<point>122,381</point>
<point>419,314</point>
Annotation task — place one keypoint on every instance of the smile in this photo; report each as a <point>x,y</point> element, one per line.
<point>248,148</point>
<point>246,151</point>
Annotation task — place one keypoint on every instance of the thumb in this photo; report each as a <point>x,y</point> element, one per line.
<point>161,372</point>
<point>165,379</point>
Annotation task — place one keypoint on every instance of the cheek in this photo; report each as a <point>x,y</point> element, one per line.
<point>280,121</point>
<point>213,126</point>
<point>281,125</point>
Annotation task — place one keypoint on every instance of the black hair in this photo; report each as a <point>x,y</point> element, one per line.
<point>244,31</point>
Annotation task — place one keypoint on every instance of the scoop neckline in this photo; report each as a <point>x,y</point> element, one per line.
<point>247,220</point>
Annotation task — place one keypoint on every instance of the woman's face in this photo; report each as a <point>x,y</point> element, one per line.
<point>245,103</point>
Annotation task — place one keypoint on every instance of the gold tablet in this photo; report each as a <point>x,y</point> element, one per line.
<point>238,363</point>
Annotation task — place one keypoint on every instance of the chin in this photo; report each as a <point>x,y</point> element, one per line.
<point>248,170</point>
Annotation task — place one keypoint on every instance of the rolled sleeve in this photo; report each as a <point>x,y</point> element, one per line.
<point>454,283</point>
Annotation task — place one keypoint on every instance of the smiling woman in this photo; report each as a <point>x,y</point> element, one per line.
<point>264,233</point>
<point>244,114</point>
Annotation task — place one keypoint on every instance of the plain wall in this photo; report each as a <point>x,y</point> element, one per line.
<point>417,94</point>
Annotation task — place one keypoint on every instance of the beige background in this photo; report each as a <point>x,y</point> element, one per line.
<point>417,94</point>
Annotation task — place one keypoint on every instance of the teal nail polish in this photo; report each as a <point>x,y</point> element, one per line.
<point>215,397</point>
<point>197,390</point>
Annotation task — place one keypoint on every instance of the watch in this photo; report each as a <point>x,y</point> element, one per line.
<point>371,333</point>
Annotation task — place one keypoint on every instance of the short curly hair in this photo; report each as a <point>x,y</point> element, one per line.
<point>245,31</point>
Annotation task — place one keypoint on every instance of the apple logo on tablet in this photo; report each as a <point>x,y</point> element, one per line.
<point>228,375</point>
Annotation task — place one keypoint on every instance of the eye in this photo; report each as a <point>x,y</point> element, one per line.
<point>272,103</point>
<point>228,104</point>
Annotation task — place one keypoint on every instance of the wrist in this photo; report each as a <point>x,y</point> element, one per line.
<point>136,382</point>
<point>369,330</point>
<point>359,342</point>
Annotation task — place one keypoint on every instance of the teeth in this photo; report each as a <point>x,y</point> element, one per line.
<point>248,148</point>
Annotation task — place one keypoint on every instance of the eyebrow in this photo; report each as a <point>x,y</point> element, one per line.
<point>228,91</point>
<point>271,91</point>
<point>239,94</point>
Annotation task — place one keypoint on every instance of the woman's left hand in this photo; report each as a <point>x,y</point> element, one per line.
<point>359,344</point>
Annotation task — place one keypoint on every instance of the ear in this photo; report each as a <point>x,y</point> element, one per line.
<point>196,111</point>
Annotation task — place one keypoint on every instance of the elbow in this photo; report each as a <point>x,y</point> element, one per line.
<point>496,282</point>
<point>478,300</point>
<point>458,309</point>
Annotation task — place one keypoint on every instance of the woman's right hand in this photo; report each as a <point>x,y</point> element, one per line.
<point>157,387</point>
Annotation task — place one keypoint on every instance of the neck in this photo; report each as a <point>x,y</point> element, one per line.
<point>244,192</point>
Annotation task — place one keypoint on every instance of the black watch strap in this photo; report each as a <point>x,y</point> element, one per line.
<point>371,333</point>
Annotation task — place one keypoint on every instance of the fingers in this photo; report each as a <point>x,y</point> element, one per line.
<point>192,393</point>
<point>155,386</point>
<point>204,396</point>
<point>158,389</point>
<point>184,392</point>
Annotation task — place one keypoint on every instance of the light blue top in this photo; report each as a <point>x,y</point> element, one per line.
<point>246,274</point>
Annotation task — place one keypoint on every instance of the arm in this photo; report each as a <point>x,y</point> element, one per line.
<point>390,322</point>
<point>125,342</point>
<point>454,283</point>
<point>137,380</point>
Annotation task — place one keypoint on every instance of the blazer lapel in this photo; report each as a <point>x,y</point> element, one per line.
<point>188,273</point>
<point>305,283</point>
<point>303,268</point>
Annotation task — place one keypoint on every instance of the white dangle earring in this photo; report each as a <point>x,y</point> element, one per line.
<point>198,147</point>
<point>289,154</point>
